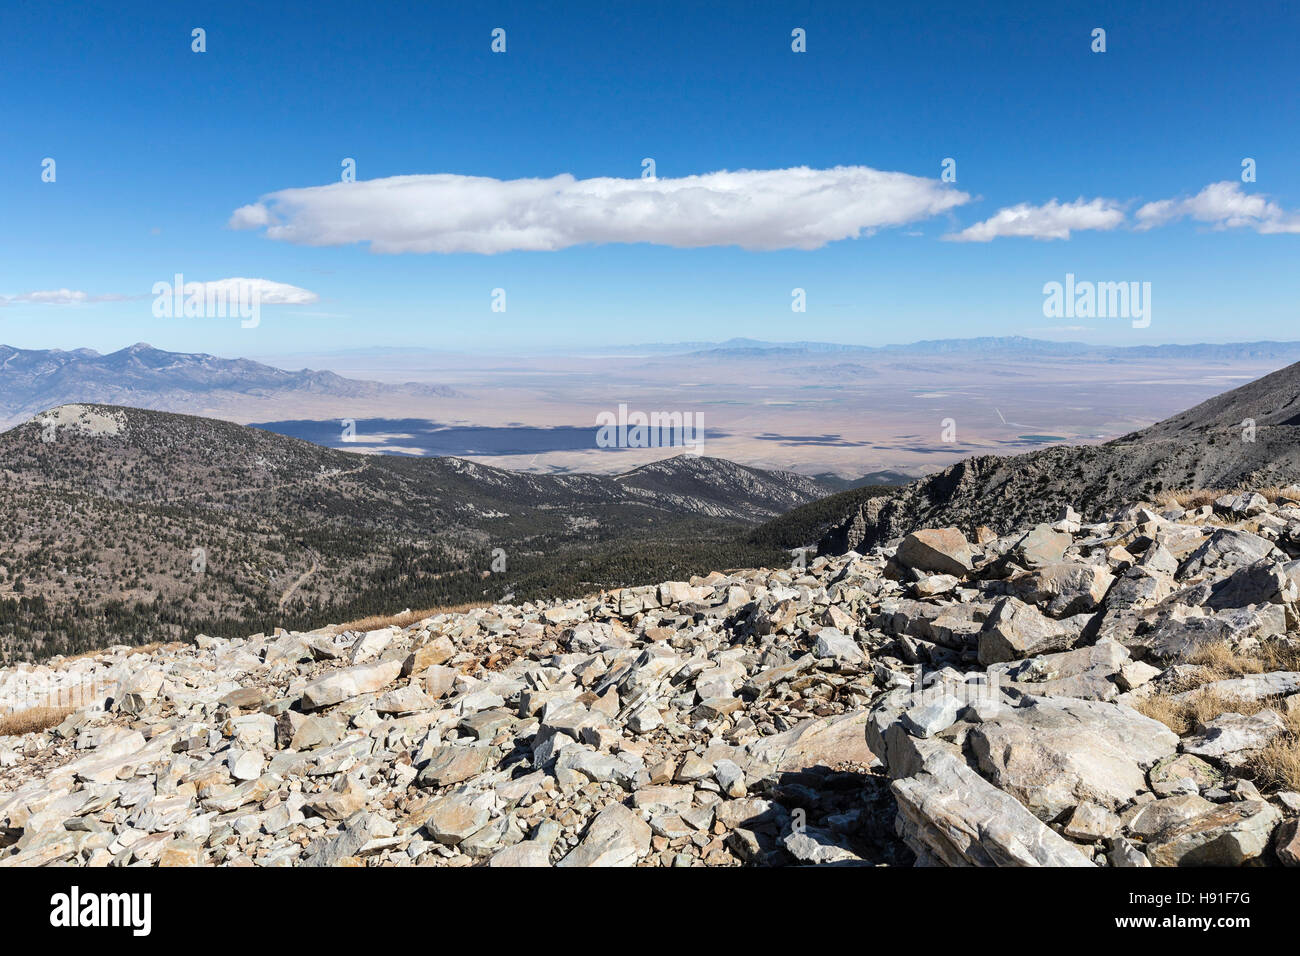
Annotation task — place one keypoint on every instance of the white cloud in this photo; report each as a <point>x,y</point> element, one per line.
<point>1223,205</point>
<point>59,297</point>
<point>268,292</point>
<point>798,208</point>
<point>1053,220</point>
<point>249,217</point>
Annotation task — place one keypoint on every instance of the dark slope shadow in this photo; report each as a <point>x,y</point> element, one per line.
<point>435,439</point>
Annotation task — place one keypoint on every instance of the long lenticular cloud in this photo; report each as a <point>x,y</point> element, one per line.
<point>797,208</point>
<point>267,291</point>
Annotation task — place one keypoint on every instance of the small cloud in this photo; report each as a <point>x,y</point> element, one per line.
<point>60,297</point>
<point>799,208</point>
<point>1052,220</point>
<point>1222,205</point>
<point>252,216</point>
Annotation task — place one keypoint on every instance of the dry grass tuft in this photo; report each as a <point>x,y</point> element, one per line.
<point>1191,498</point>
<point>1164,708</point>
<point>406,618</point>
<point>1277,766</point>
<point>1222,661</point>
<point>32,720</point>
<point>1280,656</point>
<point>153,648</point>
<point>1185,715</point>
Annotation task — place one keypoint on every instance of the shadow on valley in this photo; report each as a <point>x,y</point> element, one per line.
<point>418,436</point>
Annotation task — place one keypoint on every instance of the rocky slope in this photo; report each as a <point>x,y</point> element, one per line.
<point>1209,446</point>
<point>935,701</point>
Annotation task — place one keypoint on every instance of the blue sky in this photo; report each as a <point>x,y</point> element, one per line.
<point>156,147</point>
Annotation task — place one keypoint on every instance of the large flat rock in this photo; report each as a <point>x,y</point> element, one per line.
<point>951,815</point>
<point>818,742</point>
<point>1056,752</point>
<point>340,685</point>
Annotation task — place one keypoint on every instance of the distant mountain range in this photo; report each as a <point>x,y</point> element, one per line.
<point>1006,347</point>
<point>1247,437</point>
<point>141,376</point>
<point>1009,346</point>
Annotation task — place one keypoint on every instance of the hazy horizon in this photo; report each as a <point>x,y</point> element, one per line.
<point>820,410</point>
<point>653,347</point>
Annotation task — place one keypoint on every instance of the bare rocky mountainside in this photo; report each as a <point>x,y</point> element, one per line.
<point>1249,436</point>
<point>1120,693</point>
<point>125,525</point>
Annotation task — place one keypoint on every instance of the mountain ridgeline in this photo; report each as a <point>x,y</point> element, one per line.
<point>1249,436</point>
<point>32,380</point>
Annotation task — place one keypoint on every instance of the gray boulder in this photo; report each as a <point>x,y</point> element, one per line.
<point>1228,835</point>
<point>940,550</point>
<point>1056,752</point>
<point>1015,629</point>
<point>949,814</point>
